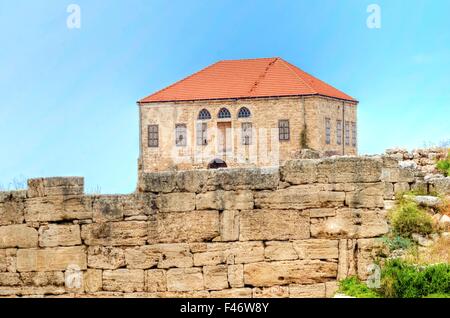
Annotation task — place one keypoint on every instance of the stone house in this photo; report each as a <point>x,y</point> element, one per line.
<point>253,112</point>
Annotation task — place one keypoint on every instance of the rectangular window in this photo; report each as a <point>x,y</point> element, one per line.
<point>339,132</point>
<point>347,133</point>
<point>202,138</point>
<point>354,132</point>
<point>246,133</point>
<point>327,131</point>
<point>153,136</point>
<point>283,129</point>
<point>180,135</point>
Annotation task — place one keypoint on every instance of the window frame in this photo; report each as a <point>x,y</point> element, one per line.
<point>246,132</point>
<point>244,112</point>
<point>206,112</point>
<point>328,130</point>
<point>224,112</point>
<point>284,133</point>
<point>202,134</point>
<point>354,134</point>
<point>347,133</point>
<point>339,131</point>
<point>181,129</point>
<point>153,135</point>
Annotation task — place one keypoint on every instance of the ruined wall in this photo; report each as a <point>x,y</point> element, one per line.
<point>291,231</point>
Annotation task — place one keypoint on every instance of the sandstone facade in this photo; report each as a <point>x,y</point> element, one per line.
<point>292,231</point>
<point>307,115</point>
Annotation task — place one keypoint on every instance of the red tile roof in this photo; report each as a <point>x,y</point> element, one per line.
<point>263,77</point>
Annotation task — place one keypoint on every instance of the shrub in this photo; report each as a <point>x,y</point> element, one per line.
<point>400,279</point>
<point>444,165</point>
<point>407,218</point>
<point>352,286</point>
<point>437,295</point>
<point>397,243</point>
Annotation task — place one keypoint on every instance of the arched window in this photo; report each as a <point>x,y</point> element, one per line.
<point>224,113</point>
<point>244,112</point>
<point>204,114</point>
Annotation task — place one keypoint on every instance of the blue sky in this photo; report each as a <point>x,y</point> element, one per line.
<point>68,96</point>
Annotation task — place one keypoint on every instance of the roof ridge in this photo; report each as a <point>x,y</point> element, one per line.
<point>181,80</point>
<point>251,59</point>
<point>264,74</point>
<point>288,65</point>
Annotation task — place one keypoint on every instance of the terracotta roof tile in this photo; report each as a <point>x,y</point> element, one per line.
<point>263,77</point>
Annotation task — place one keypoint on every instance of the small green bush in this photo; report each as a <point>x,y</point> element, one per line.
<point>400,279</point>
<point>397,242</point>
<point>352,286</point>
<point>437,295</point>
<point>407,218</point>
<point>444,165</point>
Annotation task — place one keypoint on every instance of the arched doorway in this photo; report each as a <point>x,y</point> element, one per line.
<point>217,163</point>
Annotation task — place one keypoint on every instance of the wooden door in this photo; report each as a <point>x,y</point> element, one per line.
<point>224,137</point>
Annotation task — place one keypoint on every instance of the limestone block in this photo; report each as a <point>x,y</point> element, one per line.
<point>105,257</point>
<point>224,200</point>
<point>26,291</point>
<point>195,226</point>
<point>174,255</point>
<point>125,280</point>
<point>18,235</point>
<point>52,235</point>
<point>3,262</point>
<point>11,259</point>
<point>155,280</point>
<point>164,182</point>
<point>12,206</point>
<point>300,197</point>
<point>273,225</point>
<point>108,208</point>
<point>187,294</point>
<point>349,170</point>
<point>50,259</point>
<point>232,293</point>
<point>40,187</point>
<point>115,233</point>
<point>93,280</point>
<point>368,195</point>
<point>42,278</point>
<point>347,258</point>
<point>368,249</point>
<point>236,275</point>
<point>244,178</point>
<point>280,251</point>
<point>289,272</point>
<point>321,213</point>
<point>229,225</point>
<point>401,187</point>
<point>185,279</point>
<point>299,171</point>
<point>316,249</point>
<point>142,257</point>
<point>215,277</point>
<point>350,223</point>
<point>271,292</point>
<point>307,291</point>
<point>247,252</point>
<point>440,185</point>
<point>58,208</point>
<point>406,175</point>
<point>176,202</point>
<point>10,279</point>
<point>388,191</point>
<point>192,180</point>
<point>331,288</point>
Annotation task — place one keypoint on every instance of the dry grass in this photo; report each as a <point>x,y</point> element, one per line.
<point>439,252</point>
<point>444,207</point>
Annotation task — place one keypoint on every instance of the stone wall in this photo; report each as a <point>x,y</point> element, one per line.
<point>423,160</point>
<point>291,231</point>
